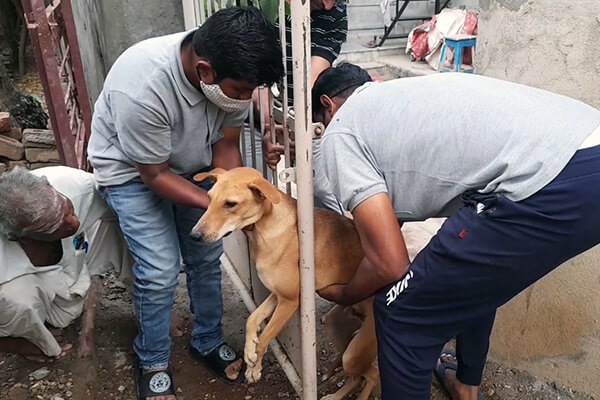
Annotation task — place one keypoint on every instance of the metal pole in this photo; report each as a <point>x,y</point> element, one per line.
<point>300,11</point>
<point>284,91</point>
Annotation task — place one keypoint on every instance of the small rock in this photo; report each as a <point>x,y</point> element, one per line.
<point>179,390</point>
<point>120,359</point>
<point>212,381</point>
<point>248,397</point>
<point>491,392</point>
<point>56,397</point>
<point>40,373</point>
<point>118,285</point>
<point>69,393</point>
<point>121,388</point>
<point>112,296</point>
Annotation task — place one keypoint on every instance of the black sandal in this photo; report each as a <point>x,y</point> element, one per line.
<point>440,371</point>
<point>217,361</point>
<point>153,384</point>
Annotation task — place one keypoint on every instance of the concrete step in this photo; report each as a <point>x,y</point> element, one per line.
<point>393,67</point>
<point>355,52</point>
<point>369,17</point>
<point>357,3</point>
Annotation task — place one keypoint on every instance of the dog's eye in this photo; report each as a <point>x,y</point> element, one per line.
<point>230,204</point>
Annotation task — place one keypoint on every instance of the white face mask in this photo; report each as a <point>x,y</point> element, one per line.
<point>215,95</point>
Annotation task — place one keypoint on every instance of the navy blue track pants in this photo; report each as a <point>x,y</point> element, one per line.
<point>482,256</point>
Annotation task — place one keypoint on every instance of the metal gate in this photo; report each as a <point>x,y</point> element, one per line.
<point>54,41</point>
<point>297,121</point>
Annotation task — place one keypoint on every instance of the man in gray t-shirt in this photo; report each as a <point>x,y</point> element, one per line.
<point>517,171</point>
<point>170,107</point>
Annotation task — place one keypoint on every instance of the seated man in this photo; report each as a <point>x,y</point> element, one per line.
<point>57,236</point>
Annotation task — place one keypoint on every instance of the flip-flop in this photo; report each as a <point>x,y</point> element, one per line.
<point>440,371</point>
<point>153,384</point>
<point>218,360</point>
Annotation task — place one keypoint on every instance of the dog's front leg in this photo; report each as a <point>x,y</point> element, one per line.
<point>283,312</point>
<point>252,326</point>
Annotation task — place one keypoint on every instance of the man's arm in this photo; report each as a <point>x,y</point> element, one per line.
<point>317,65</point>
<point>386,257</point>
<point>170,186</point>
<point>226,151</point>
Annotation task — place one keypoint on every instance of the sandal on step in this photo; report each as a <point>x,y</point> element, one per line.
<point>153,384</point>
<point>217,362</point>
<point>440,371</point>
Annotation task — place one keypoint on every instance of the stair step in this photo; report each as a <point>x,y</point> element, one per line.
<point>370,17</point>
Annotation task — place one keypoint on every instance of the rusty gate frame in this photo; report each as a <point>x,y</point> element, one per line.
<point>56,49</point>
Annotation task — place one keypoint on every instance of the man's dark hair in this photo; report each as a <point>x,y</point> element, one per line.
<point>340,80</point>
<point>241,44</point>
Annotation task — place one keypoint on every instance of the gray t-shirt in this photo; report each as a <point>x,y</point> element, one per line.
<point>149,113</point>
<point>427,140</point>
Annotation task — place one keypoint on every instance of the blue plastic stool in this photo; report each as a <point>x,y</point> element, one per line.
<point>458,42</point>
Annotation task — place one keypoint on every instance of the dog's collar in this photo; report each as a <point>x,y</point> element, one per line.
<point>249,228</point>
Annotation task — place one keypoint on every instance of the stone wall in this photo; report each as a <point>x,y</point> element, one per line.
<point>552,330</point>
<point>30,148</point>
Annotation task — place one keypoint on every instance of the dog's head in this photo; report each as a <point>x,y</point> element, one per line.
<point>239,198</point>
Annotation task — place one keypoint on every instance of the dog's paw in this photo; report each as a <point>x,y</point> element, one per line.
<point>253,374</point>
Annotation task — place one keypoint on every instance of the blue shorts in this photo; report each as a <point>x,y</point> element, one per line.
<point>476,263</point>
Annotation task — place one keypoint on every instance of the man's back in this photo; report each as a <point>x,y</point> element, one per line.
<point>458,132</point>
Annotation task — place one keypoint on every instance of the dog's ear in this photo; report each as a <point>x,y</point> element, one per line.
<point>265,190</point>
<point>211,174</point>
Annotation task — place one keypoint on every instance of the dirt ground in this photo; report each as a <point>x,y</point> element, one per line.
<point>109,375</point>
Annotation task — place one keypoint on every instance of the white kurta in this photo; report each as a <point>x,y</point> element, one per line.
<point>32,296</point>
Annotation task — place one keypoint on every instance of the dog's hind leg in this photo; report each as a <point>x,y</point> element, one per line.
<point>372,380</point>
<point>331,370</point>
<point>253,324</point>
<point>340,327</point>
<point>283,312</point>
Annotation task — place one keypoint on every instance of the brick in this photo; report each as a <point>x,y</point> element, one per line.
<point>34,154</point>
<point>43,165</point>
<point>14,133</point>
<point>21,163</point>
<point>38,138</point>
<point>11,148</point>
<point>5,124</point>
<point>3,167</point>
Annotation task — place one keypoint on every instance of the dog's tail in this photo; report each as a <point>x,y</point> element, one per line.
<point>331,371</point>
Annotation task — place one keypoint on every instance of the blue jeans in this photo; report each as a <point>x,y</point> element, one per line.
<point>156,230</point>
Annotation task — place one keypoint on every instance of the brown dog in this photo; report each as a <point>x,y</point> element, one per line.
<point>242,199</point>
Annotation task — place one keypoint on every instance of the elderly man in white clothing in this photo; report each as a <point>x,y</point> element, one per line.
<point>57,236</point>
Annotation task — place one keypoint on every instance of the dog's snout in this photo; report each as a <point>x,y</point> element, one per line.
<point>197,236</point>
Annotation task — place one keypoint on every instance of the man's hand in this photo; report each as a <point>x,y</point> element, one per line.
<point>272,152</point>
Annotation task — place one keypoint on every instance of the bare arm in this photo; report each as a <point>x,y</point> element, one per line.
<point>317,65</point>
<point>386,257</point>
<point>168,185</point>
<point>226,152</point>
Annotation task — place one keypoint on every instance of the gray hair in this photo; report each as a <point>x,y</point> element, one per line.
<point>25,201</point>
